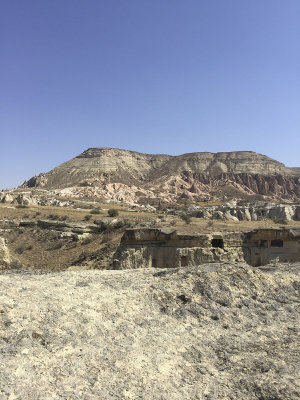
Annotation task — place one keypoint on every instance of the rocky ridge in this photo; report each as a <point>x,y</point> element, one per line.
<point>257,211</point>
<point>129,176</point>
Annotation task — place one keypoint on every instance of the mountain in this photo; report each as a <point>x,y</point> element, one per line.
<point>129,176</point>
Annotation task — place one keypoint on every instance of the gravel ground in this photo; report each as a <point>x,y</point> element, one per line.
<point>217,331</point>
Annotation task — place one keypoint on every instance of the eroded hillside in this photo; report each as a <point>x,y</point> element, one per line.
<point>122,175</point>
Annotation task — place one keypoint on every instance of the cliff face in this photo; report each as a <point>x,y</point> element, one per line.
<point>130,176</point>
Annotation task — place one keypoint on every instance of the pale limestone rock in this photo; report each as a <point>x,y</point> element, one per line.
<point>25,200</point>
<point>4,252</point>
<point>230,217</point>
<point>7,198</point>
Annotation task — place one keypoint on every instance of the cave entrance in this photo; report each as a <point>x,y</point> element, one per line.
<point>184,261</point>
<point>154,263</point>
<point>217,243</point>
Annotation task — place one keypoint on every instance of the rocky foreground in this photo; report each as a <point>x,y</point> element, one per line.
<point>210,332</point>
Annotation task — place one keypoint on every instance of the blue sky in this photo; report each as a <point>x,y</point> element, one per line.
<point>156,76</point>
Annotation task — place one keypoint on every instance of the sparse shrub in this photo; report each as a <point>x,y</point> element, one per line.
<point>71,245</point>
<point>106,227</point>
<point>95,211</point>
<point>37,213</point>
<point>82,257</point>
<point>160,217</point>
<point>113,212</point>
<point>63,217</point>
<point>278,220</point>
<point>87,217</point>
<point>210,223</point>
<point>15,264</point>
<point>173,222</point>
<point>29,247</point>
<point>53,235</point>
<point>126,222</point>
<point>186,218</point>
<point>20,249</point>
<point>21,206</point>
<point>53,216</point>
<point>56,246</point>
<point>119,224</point>
<point>86,241</point>
<point>26,216</point>
<point>85,183</point>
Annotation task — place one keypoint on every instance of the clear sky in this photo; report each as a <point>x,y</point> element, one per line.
<point>156,76</point>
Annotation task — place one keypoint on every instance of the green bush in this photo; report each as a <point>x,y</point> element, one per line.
<point>20,249</point>
<point>56,246</point>
<point>112,212</point>
<point>85,183</point>
<point>95,211</point>
<point>86,241</point>
<point>186,218</point>
<point>53,216</point>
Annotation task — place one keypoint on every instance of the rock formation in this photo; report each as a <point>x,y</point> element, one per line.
<point>256,211</point>
<point>158,248</point>
<point>4,253</point>
<point>211,332</point>
<point>130,176</point>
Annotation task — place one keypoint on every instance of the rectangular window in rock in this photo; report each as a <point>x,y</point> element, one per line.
<point>276,243</point>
